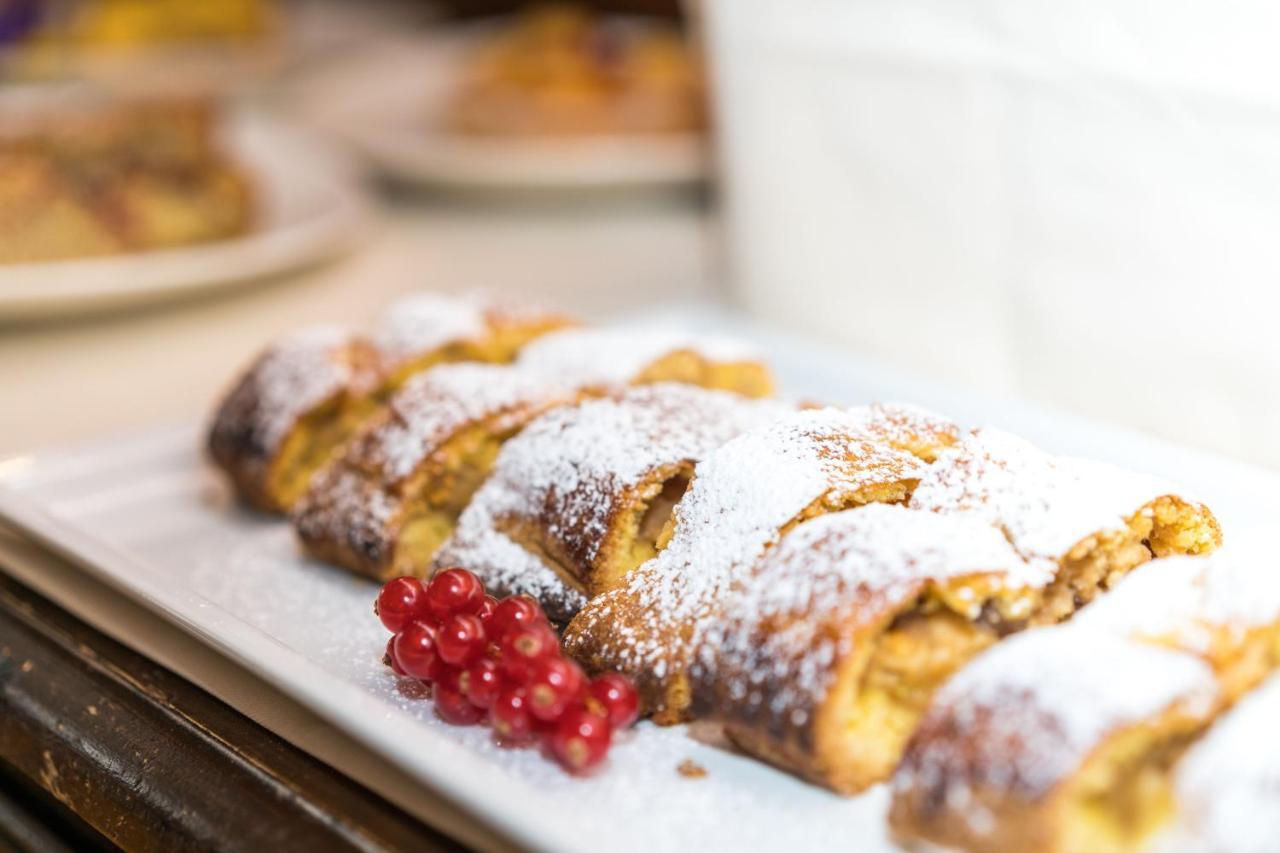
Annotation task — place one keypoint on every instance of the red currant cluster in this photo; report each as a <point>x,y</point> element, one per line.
<point>501,660</point>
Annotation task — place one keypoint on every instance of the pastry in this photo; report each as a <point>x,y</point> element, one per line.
<point>599,360</point>
<point>1227,786</point>
<point>1057,740</point>
<point>583,495</point>
<point>833,643</point>
<point>394,493</point>
<point>563,71</point>
<point>387,504</point>
<point>424,329</point>
<point>1092,522</point>
<point>744,496</point>
<point>1224,608</point>
<point>94,177</point>
<point>280,422</point>
<point>309,393</point>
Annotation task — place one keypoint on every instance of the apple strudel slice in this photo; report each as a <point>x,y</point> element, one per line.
<point>425,329</point>
<point>1059,740</point>
<point>584,494</point>
<point>394,495</point>
<point>834,642</point>
<point>1225,608</point>
<point>1093,523</point>
<point>298,401</point>
<point>601,360</point>
<point>744,496</point>
<point>1227,786</point>
<point>310,392</point>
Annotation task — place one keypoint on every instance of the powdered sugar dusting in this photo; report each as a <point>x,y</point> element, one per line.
<point>295,375</point>
<point>830,574</point>
<point>1228,784</point>
<point>356,498</point>
<point>614,357</point>
<point>1024,715</point>
<point>742,496</point>
<point>569,470</point>
<point>435,404</point>
<point>427,321</point>
<point>1045,504</point>
<point>1184,599</point>
<point>909,427</point>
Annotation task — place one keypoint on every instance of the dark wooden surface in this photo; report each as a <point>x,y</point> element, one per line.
<point>101,748</point>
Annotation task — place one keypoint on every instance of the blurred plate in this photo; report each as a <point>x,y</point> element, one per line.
<point>311,209</point>
<point>385,103</point>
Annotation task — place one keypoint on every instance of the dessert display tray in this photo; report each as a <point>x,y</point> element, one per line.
<point>145,515</point>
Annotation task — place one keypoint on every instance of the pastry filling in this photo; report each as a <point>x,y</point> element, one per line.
<point>906,663</point>
<point>1123,794</point>
<point>310,446</point>
<point>440,493</point>
<point>641,533</point>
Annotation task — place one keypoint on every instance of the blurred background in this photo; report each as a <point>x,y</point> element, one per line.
<point>1070,204</point>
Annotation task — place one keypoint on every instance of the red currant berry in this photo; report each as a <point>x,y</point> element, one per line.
<point>522,648</point>
<point>512,611</point>
<point>454,591</point>
<point>460,639</point>
<point>613,697</point>
<point>485,612</point>
<point>415,650</point>
<point>554,685</point>
<point>580,741</point>
<point>481,682</point>
<point>512,725</point>
<point>454,708</point>
<point>399,602</point>
<point>389,657</point>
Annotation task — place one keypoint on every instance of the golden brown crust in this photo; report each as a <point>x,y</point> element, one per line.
<point>583,495</point>
<point>288,410</point>
<point>313,390</point>
<point>833,642</point>
<point>745,495</point>
<point>1058,740</point>
<point>388,502</point>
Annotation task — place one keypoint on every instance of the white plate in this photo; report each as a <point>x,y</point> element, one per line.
<point>385,103</point>
<point>145,515</point>
<point>311,209</point>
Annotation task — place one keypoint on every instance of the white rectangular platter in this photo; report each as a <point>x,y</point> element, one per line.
<point>145,515</point>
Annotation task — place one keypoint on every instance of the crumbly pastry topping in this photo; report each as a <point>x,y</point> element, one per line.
<point>614,357</point>
<point>1184,599</point>
<point>1044,504</point>
<point>426,321</point>
<point>568,470</point>
<point>909,427</point>
<point>1228,784</point>
<point>291,378</point>
<point>1025,714</point>
<point>742,495</point>
<point>434,405</point>
<point>833,569</point>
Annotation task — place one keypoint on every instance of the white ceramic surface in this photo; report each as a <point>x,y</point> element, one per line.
<point>311,208</point>
<point>144,514</point>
